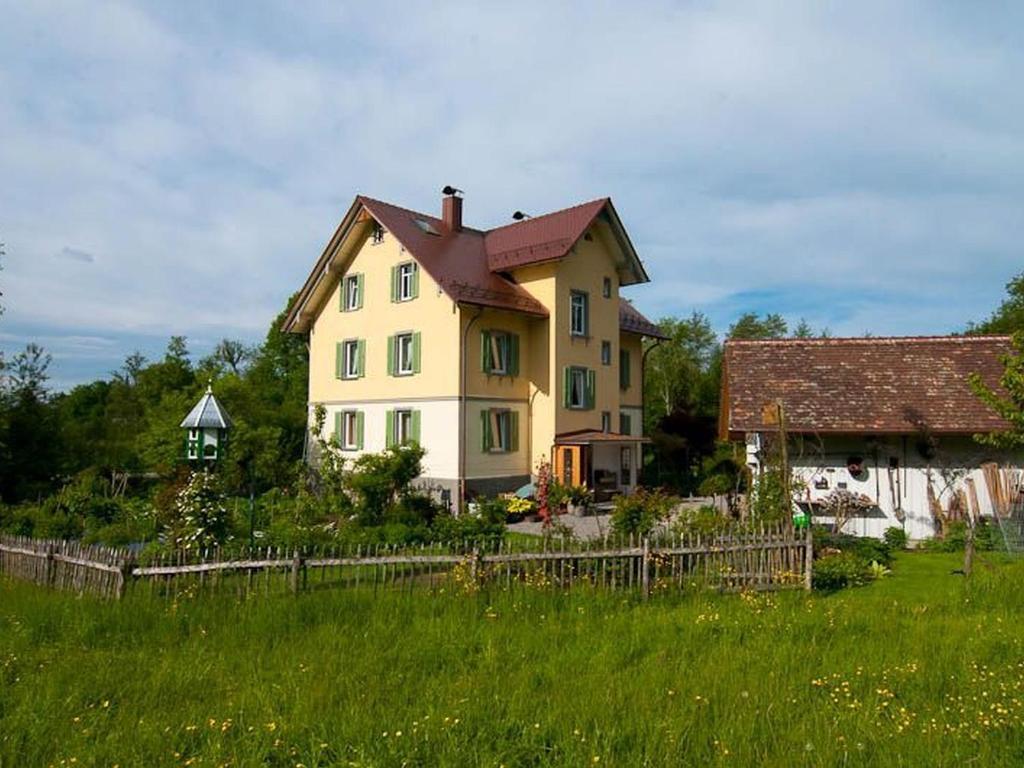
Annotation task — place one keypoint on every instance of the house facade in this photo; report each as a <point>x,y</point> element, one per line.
<point>891,420</point>
<point>492,349</point>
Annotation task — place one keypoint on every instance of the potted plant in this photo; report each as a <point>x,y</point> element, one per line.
<point>578,499</point>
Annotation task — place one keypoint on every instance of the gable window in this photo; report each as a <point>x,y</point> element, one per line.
<point>404,354</point>
<point>606,353</point>
<point>606,421</point>
<point>625,424</point>
<point>499,429</point>
<point>405,281</point>
<point>350,362</point>
<point>579,388</point>
<point>624,372</point>
<point>378,234</point>
<point>579,313</point>
<point>606,288</point>
<point>352,293</point>
<point>499,353</point>
<point>403,427</point>
<point>348,430</point>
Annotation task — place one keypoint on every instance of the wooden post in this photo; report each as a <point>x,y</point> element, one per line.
<point>473,563</point>
<point>808,559</point>
<point>296,568</point>
<point>645,571</point>
<point>51,566</point>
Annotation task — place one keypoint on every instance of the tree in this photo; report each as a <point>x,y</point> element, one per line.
<point>1009,402</point>
<point>1009,317</point>
<point>29,432</point>
<point>750,325</point>
<point>233,354</point>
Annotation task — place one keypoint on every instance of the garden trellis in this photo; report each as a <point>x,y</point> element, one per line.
<point>762,557</point>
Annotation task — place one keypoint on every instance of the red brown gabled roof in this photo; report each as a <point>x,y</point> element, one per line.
<point>455,260</point>
<point>895,385</point>
<point>471,265</point>
<point>631,320</point>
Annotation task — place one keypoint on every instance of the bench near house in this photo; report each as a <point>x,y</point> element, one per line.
<point>892,419</point>
<point>493,349</point>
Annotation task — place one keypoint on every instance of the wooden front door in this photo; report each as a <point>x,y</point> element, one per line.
<point>570,464</point>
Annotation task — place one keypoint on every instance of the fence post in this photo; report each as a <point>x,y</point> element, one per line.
<point>125,575</point>
<point>645,570</point>
<point>296,568</point>
<point>474,560</point>
<point>808,558</point>
<point>51,566</point>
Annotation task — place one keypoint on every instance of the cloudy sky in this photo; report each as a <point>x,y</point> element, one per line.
<point>175,168</point>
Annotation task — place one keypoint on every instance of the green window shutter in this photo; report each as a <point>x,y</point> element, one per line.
<point>513,354</point>
<point>389,428</point>
<point>485,430</point>
<point>361,358</point>
<point>337,426</point>
<point>415,280</point>
<point>416,339</point>
<point>485,351</point>
<point>624,369</point>
<point>415,426</point>
<point>359,430</point>
<point>359,283</point>
<point>567,387</point>
<point>591,395</point>
<point>394,283</point>
<point>339,359</point>
<point>391,355</point>
<point>513,430</point>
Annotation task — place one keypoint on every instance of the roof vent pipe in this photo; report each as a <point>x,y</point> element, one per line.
<point>451,208</point>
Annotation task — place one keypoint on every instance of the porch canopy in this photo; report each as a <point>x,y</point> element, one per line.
<point>592,436</point>
<point>605,462</point>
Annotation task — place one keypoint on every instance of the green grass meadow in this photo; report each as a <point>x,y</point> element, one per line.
<point>917,669</point>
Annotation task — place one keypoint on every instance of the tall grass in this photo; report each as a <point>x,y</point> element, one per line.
<point>917,669</point>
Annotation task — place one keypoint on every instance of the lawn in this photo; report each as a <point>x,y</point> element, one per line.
<point>917,669</point>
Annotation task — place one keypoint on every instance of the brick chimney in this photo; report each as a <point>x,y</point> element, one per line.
<point>451,209</point>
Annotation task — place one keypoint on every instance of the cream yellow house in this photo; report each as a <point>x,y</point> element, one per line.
<point>494,350</point>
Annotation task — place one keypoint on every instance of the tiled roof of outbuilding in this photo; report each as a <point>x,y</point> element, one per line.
<point>862,385</point>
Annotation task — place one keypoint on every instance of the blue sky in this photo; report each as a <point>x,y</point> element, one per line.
<point>175,168</point>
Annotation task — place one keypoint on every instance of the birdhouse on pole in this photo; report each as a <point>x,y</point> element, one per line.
<point>206,426</point>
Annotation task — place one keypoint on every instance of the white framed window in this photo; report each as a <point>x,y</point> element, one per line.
<point>606,421</point>
<point>403,354</point>
<point>378,234</point>
<point>625,464</point>
<point>579,313</point>
<point>576,396</point>
<point>499,353</point>
<point>500,430</point>
<point>606,353</point>
<point>353,298</point>
<point>406,287</point>
<point>606,288</point>
<point>350,359</point>
<point>403,427</point>
<point>349,437</point>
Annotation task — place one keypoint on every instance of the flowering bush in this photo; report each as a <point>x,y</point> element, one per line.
<point>200,514</point>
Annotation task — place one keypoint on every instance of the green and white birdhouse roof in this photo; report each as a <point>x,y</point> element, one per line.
<point>207,413</point>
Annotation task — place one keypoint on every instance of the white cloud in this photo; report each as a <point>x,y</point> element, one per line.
<point>202,158</point>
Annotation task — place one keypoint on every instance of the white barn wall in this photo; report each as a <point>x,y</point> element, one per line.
<point>958,458</point>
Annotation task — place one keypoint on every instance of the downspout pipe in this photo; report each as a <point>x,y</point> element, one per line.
<point>464,374</point>
<point>643,400</point>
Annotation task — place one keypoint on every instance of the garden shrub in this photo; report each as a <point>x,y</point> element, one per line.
<point>954,538</point>
<point>703,521</point>
<point>895,537</point>
<point>840,570</point>
<point>638,513</point>
<point>866,548</point>
<point>378,480</point>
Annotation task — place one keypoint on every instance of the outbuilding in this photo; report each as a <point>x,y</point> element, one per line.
<point>890,420</point>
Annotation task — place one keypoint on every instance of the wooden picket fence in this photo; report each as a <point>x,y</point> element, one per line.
<point>764,558</point>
